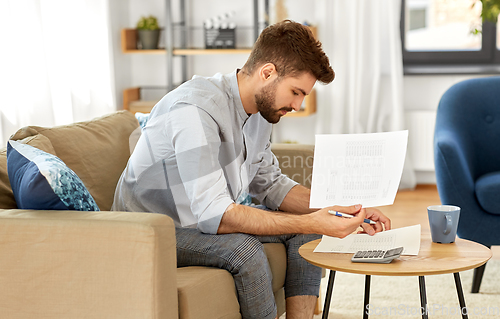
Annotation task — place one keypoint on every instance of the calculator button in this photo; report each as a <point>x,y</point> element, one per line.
<point>376,256</point>
<point>359,254</point>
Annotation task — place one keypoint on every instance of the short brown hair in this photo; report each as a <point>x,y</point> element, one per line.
<point>292,48</point>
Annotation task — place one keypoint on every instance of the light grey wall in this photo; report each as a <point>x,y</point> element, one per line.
<point>423,92</point>
<point>119,17</point>
<point>145,69</point>
<point>420,92</point>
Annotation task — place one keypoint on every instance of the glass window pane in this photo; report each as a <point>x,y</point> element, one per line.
<point>442,25</point>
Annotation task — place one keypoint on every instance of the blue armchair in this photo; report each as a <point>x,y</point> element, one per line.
<point>467,159</point>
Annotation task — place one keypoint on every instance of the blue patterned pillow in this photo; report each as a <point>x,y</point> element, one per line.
<point>42,181</point>
<point>142,118</point>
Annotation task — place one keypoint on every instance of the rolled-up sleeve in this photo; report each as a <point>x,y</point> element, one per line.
<point>269,186</point>
<point>196,144</point>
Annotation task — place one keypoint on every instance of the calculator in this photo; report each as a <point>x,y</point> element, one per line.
<point>377,256</point>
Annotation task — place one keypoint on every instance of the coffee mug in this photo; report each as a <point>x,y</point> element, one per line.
<point>443,220</point>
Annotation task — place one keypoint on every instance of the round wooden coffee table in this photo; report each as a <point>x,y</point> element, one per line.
<point>433,259</point>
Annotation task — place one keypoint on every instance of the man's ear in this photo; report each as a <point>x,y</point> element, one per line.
<point>268,72</point>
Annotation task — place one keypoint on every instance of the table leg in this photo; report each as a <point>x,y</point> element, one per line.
<point>328,297</point>
<point>423,297</point>
<point>367,296</point>
<point>460,294</point>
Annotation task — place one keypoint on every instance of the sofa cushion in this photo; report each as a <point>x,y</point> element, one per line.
<point>42,181</point>
<point>276,256</point>
<point>205,292</point>
<point>7,199</point>
<point>142,118</point>
<point>488,192</point>
<point>97,150</point>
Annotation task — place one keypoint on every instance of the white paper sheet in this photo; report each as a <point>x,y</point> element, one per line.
<point>354,169</point>
<point>407,237</point>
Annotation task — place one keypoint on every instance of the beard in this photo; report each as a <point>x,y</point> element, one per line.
<point>265,101</point>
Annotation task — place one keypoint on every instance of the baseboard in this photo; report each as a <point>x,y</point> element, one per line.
<point>425,177</point>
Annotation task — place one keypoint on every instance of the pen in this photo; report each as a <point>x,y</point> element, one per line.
<point>350,216</point>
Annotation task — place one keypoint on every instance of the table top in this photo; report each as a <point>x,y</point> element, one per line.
<point>433,259</point>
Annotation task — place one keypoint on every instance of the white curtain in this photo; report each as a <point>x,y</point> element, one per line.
<point>362,39</point>
<point>55,62</point>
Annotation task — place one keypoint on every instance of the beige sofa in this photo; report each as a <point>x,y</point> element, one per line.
<point>67,264</point>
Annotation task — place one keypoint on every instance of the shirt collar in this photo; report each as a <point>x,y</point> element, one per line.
<point>233,82</point>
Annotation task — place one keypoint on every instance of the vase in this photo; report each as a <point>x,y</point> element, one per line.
<point>148,39</point>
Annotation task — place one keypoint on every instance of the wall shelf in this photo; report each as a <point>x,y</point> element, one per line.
<point>211,51</point>
<point>129,46</point>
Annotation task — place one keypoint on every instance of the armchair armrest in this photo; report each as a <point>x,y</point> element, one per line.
<point>66,264</point>
<point>454,171</point>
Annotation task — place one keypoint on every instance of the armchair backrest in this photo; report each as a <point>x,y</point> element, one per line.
<point>466,149</point>
<point>469,113</point>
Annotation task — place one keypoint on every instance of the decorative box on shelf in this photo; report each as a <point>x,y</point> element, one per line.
<point>220,32</point>
<point>220,38</point>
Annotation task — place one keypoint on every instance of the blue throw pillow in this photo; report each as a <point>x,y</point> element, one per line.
<point>42,181</point>
<point>142,118</point>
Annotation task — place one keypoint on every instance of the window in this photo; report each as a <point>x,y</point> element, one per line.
<point>438,36</point>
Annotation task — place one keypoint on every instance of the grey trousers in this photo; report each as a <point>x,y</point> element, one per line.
<point>244,257</point>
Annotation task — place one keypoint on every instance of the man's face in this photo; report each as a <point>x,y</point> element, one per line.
<point>283,95</point>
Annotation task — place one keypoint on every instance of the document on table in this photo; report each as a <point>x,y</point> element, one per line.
<point>407,237</point>
<point>351,169</point>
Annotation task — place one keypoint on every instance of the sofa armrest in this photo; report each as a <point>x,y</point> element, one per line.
<point>296,161</point>
<point>62,264</point>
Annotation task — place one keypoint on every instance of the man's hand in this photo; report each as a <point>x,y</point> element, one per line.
<point>382,221</point>
<point>334,226</point>
<point>340,227</point>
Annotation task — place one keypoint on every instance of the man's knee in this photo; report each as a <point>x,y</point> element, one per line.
<point>310,237</point>
<point>245,258</point>
<point>244,254</point>
<point>301,239</point>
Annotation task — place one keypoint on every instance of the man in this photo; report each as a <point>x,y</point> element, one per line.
<point>206,144</point>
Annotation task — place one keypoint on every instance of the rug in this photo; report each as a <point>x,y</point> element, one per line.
<point>399,297</point>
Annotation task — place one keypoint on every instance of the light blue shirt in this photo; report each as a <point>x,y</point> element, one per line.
<point>198,153</point>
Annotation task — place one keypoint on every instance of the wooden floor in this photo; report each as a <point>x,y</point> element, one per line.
<point>410,208</point>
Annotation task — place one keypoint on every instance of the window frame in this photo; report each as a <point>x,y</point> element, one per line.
<point>485,60</point>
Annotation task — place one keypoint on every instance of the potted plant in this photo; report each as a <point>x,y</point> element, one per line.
<point>489,12</point>
<point>148,33</point>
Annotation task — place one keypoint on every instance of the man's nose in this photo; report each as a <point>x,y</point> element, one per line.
<point>297,103</point>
